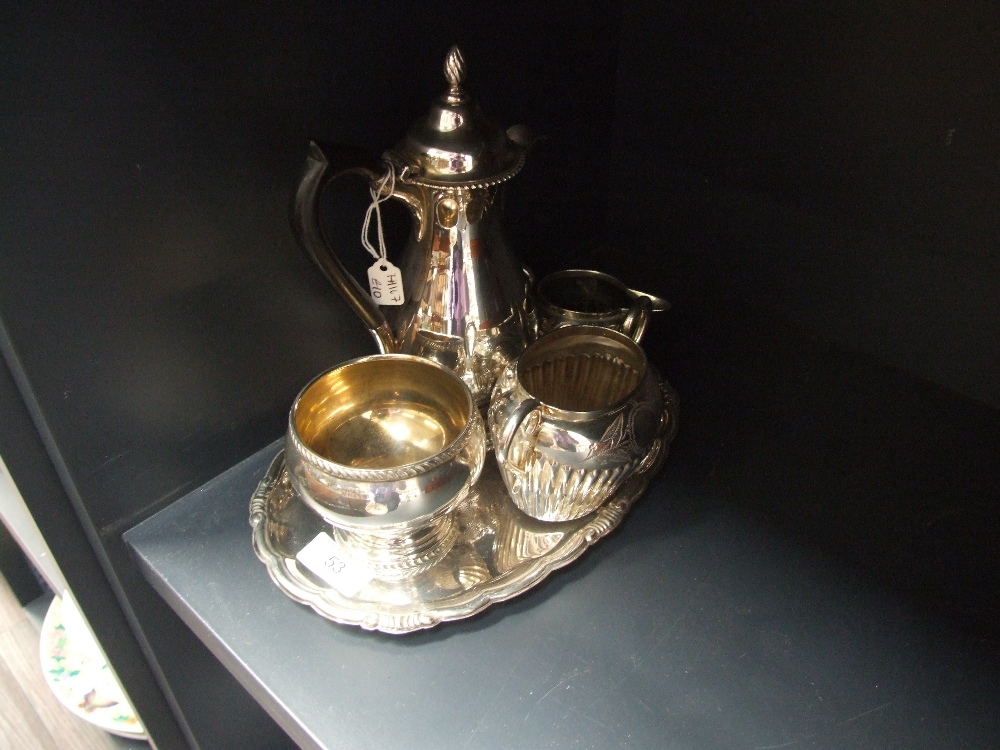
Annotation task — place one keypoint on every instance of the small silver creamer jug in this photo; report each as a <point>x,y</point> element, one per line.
<point>576,416</point>
<point>576,297</point>
<point>464,297</point>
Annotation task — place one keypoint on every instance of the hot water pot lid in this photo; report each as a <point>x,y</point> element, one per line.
<point>456,144</point>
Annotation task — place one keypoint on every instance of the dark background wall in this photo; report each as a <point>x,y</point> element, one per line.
<point>149,275</point>
<point>836,162</point>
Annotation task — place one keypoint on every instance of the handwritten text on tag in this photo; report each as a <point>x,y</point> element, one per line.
<point>386,283</point>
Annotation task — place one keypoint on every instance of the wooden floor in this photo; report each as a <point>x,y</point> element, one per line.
<point>31,717</point>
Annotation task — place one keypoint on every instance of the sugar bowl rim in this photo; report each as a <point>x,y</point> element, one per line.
<point>393,473</point>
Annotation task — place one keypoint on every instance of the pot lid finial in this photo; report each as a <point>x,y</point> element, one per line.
<point>454,71</point>
<point>455,143</point>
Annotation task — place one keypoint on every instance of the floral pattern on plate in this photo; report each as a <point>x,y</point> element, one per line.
<point>79,675</point>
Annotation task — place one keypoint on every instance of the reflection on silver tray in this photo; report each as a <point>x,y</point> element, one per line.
<point>500,552</point>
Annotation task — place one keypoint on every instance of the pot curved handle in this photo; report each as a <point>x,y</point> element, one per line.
<point>323,164</point>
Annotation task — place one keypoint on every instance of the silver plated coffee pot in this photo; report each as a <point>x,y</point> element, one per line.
<point>463,301</point>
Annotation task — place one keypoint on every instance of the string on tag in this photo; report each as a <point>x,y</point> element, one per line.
<point>384,280</point>
<point>379,196</point>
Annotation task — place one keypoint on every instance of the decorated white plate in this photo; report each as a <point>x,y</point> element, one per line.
<point>78,674</point>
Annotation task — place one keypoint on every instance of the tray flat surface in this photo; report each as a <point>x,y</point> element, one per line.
<point>695,625</point>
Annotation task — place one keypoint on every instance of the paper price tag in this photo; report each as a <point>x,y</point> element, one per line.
<point>386,283</point>
<point>324,557</point>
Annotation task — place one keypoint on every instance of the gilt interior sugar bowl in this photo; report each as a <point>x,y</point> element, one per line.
<point>382,447</point>
<point>578,414</point>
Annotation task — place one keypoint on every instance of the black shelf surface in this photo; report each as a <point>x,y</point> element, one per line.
<point>812,568</point>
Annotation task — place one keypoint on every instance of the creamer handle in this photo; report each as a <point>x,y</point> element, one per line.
<point>637,318</point>
<point>514,421</point>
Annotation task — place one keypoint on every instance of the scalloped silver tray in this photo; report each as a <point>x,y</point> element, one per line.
<point>500,552</point>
